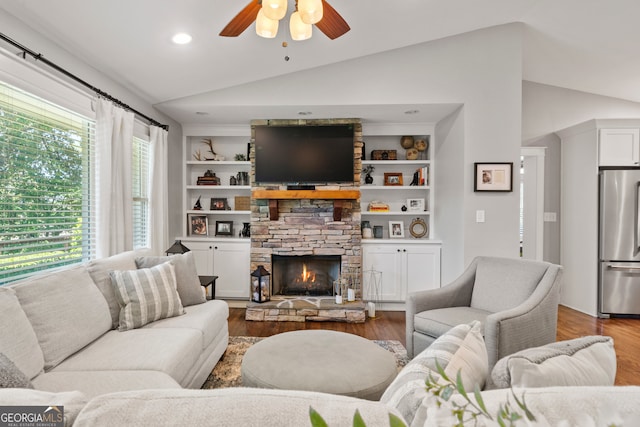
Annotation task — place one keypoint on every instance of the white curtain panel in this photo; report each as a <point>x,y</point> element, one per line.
<point>158,192</point>
<point>114,133</point>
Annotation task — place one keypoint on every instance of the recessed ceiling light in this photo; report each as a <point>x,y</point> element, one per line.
<point>412,111</point>
<point>202,113</point>
<point>304,113</point>
<point>181,38</point>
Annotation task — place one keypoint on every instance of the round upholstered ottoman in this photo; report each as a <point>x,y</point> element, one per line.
<point>318,360</point>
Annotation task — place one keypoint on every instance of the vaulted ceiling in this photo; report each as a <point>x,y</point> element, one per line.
<point>586,45</point>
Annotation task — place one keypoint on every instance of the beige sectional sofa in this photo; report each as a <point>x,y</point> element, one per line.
<point>59,333</point>
<point>61,330</point>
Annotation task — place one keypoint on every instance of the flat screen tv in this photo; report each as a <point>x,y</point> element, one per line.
<point>304,154</point>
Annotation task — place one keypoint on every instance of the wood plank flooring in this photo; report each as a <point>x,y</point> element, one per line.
<point>390,325</point>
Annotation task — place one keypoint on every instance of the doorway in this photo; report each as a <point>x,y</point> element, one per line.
<point>532,202</point>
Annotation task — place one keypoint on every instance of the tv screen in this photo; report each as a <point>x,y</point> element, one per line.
<point>304,154</point>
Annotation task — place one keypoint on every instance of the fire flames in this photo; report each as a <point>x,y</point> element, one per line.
<point>307,276</point>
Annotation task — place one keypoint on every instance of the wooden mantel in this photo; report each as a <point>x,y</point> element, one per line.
<point>338,196</point>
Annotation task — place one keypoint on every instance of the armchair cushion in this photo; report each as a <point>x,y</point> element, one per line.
<point>435,323</point>
<point>494,288</point>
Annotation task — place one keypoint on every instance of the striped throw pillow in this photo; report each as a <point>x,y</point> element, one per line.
<point>146,295</point>
<point>462,349</point>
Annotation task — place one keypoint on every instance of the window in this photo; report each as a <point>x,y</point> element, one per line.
<point>140,192</point>
<point>45,191</point>
<point>47,159</point>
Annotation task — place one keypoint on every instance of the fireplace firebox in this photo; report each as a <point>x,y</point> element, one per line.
<point>304,275</point>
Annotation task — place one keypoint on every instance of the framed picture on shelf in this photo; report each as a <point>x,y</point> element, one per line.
<point>393,178</point>
<point>415,205</point>
<point>224,228</point>
<point>198,225</point>
<point>493,177</point>
<point>396,229</point>
<point>219,205</point>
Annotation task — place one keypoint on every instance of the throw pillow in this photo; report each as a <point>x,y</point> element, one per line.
<point>585,361</point>
<point>189,288</point>
<point>11,376</point>
<point>146,295</point>
<point>461,349</point>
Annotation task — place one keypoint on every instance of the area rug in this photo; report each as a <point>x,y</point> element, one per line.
<point>227,371</point>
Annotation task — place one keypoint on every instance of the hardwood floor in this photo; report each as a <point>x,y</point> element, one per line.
<point>390,325</point>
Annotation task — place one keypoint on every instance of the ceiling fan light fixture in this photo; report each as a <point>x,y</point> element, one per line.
<point>310,11</point>
<point>274,9</point>
<point>265,27</point>
<point>298,29</point>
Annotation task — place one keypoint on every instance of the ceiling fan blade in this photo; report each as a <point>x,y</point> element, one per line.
<point>242,20</point>
<point>332,24</point>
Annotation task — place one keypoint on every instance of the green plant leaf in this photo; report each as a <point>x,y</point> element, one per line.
<point>316,419</point>
<point>357,420</point>
<point>478,396</point>
<point>440,370</point>
<point>395,421</point>
<point>460,385</point>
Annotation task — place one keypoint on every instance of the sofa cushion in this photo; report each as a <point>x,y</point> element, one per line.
<point>19,341</point>
<point>582,361</point>
<point>99,271</point>
<point>95,383</point>
<point>11,376</point>
<point>208,319</point>
<point>461,349</point>
<point>229,407</point>
<point>172,351</point>
<point>494,289</point>
<point>189,288</point>
<point>66,310</point>
<point>146,295</point>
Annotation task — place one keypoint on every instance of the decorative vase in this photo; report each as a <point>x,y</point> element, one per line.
<point>246,229</point>
<point>368,179</point>
<point>406,141</point>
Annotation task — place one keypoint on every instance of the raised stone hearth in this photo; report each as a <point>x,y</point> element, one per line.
<point>306,309</point>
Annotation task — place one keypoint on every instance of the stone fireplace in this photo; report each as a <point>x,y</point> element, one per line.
<point>305,228</point>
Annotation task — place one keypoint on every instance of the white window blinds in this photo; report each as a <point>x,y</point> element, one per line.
<point>45,185</point>
<point>140,192</point>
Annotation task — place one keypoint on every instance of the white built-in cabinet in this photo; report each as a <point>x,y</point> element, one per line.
<point>228,260</point>
<point>403,268</point>
<point>619,147</point>
<point>225,256</point>
<point>409,263</point>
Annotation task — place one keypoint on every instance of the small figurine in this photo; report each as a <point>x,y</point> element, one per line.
<point>197,206</point>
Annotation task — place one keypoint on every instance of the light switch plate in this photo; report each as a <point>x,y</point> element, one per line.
<point>480,216</point>
<point>549,217</point>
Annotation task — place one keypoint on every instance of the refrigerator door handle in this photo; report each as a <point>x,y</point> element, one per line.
<point>637,221</point>
<point>622,267</point>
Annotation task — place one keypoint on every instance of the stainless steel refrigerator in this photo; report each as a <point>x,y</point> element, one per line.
<point>619,242</point>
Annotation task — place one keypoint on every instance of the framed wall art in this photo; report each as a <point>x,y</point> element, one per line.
<point>198,225</point>
<point>224,228</point>
<point>415,205</point>
<point>396,229</point>
<point>493,177</point>
<point>218,204</point>
<point>393,178</point>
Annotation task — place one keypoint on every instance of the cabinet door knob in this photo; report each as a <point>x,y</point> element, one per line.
<point>215,247</point>
<point>210,247</point>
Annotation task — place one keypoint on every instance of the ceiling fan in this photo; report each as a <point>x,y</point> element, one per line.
<point>331,24</point>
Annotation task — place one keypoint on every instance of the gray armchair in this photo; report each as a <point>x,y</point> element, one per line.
<point>516,300</point>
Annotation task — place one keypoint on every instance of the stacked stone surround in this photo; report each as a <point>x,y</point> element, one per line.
<point>307,227</point>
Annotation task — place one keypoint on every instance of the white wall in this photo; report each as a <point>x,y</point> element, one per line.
<point>449,180</point>
<point>29,37</point>
<point>481,70</point>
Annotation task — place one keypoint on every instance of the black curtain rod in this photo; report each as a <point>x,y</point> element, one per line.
<point>39,57</point>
